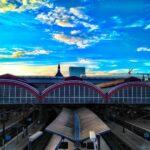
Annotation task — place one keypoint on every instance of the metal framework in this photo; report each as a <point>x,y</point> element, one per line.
<point>73,92</point>
<point>130,93</point>
<point>16,92</point>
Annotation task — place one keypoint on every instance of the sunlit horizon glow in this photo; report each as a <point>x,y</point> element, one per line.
<point>106,37</point>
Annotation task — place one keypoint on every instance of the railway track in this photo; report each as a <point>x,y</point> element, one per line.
<point>42,141</point>
<point>16,128</point>
<point>111,142</point>
<point>114,142</point>
<point>137,130</point>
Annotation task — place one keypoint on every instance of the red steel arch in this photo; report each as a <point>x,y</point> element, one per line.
<point>125,85</point>
<point>34,91</point>
<point>71,82</point>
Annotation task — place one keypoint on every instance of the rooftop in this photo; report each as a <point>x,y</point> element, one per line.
<point>76,124</point>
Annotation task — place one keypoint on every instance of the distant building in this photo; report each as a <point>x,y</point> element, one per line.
<point>59,74</point>
<point>77,71</point>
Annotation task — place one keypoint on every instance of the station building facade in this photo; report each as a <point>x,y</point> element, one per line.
<point>73,90</point>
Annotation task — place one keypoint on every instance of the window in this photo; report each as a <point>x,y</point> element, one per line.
<point>73,93</point>
<point>15,94</point>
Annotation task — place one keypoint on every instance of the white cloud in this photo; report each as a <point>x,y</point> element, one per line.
<point>38,52</point>
<point>116,71</point>
<point>147,64</point>
<point>84,61</point>
<point>84,41</point>
<point>47,30</point>
<point>67,18</point>
<point>64,23</point>
<point>93,66</point>
<point>78,13</point>
<point>57,16</point>
<point>75,32</point>
<point>45,18</point>
<point>24,69</point>
<point>18,53</point>
<point>2,49</point>
<point>60,10</point>
<point>47,4</point>
<point>79,42</point>
<point>121,71</point>
<point>143,49</point>
<point>147,27</point>
<point>133,60</point>
<point>90,64</point>
<point>88,25</point>
<point>23,5</point>
<point>113,35</point>
<point>73,40</point>
<point>114,65</point>
<point>72,18</point>
<point>137,24</point>
<point>116,19</point>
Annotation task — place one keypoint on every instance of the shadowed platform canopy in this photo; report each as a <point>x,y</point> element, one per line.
<point>75,125</point>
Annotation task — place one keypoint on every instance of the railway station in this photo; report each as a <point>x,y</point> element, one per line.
<point>74,112</point>
<point>74,75</point>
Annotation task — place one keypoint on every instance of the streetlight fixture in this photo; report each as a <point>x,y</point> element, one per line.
<point>33,138</point>
<point>93,139</point>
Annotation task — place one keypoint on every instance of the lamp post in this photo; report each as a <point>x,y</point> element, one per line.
<point>32,138</point>
<point>93,139</point>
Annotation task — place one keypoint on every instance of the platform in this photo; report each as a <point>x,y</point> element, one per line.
<point>142,123</point>
<point>134,141</point>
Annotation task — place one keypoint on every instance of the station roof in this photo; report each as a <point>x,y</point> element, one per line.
<point>106,83</point>
<point>54,142</point>
<point>10,76</point>
<point>76,125</point>
<point>106,86</point>
<point>63,124</point>
<point>89,121</point>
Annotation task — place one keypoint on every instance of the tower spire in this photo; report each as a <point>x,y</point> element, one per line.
<point>59,74</point>
<point>59,67</point>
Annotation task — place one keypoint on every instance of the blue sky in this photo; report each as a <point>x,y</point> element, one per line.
<point>105,36</point>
